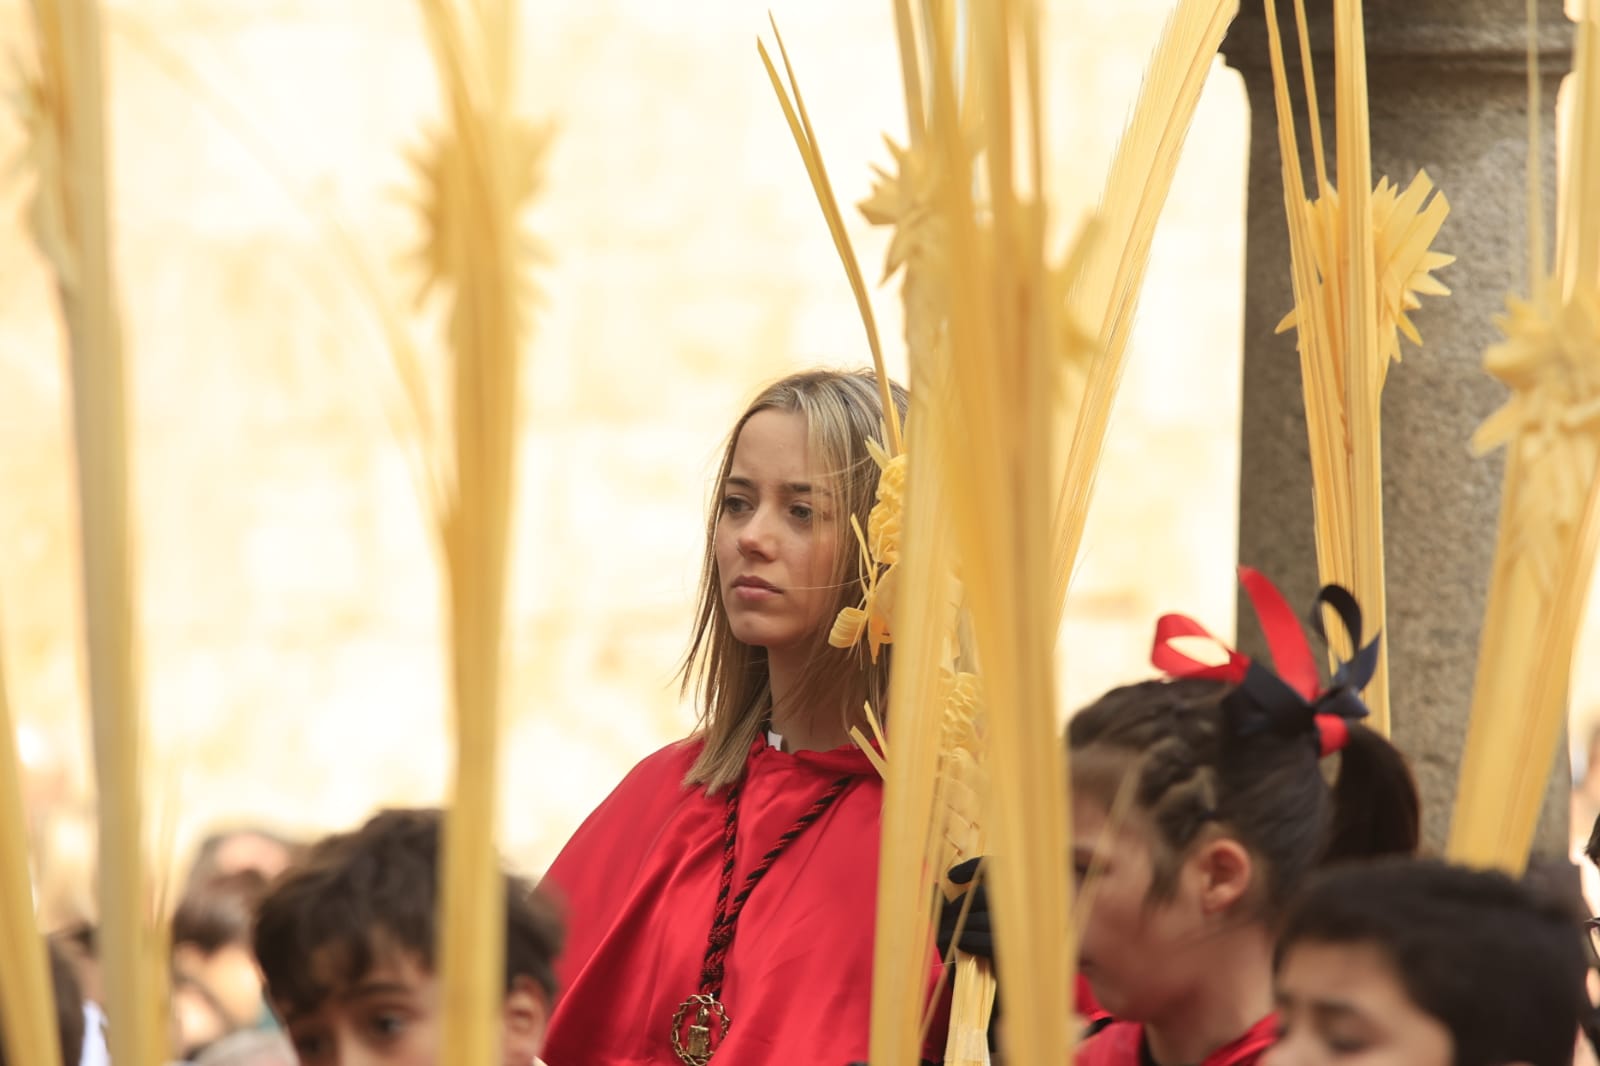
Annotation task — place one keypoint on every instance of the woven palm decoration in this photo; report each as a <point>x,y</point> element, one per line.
<point>1360,259</point>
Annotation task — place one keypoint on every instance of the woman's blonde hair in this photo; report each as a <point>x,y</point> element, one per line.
<point>843,410</point>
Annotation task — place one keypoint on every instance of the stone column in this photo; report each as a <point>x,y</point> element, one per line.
<point>1447,83</point>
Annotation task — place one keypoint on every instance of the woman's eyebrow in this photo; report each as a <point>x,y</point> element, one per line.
<point>793,488</point>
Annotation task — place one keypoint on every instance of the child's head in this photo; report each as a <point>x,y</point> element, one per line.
<point>242,851</point>
<point>216,985</point>
<point>346,940</point>
<point>1187,822</point>
<point>1425,964</point>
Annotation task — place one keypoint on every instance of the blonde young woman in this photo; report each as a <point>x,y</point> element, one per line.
<point>721,899</point>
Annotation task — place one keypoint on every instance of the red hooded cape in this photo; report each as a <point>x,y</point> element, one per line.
<point>640,881</point>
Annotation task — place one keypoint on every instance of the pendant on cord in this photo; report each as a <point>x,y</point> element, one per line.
<point>706,1028</point>
<point>701,1023</point>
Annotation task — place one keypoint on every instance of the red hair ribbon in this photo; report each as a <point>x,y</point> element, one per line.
<point>1333,733</point>
<point>1289,696</point>
<point>1174,663</point>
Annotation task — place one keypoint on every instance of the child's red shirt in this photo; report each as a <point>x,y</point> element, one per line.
<point>1122,1044</point>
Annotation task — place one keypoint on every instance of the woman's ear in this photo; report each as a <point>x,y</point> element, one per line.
<point>1224,871</point>
<point>526,1014</point>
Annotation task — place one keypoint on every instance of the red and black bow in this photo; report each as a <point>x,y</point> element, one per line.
<point>1290,698</point>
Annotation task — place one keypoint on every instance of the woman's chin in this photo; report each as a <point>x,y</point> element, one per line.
<point>759,633</point>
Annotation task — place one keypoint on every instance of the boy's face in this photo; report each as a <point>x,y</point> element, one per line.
<point>390,1017</point>
<point>1344,1004</point>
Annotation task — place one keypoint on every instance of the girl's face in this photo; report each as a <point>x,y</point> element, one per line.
<point>1343,1005</point>
<point>1140,955</point>
<point>777,536</point>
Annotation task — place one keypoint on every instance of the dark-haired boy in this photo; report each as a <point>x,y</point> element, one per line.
<point>1425,964</point>
<point>346,943</point>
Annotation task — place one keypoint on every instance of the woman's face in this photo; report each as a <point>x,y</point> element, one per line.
<point>777,537</point>
<point>1344,1005</point>
<point>1140,955</point>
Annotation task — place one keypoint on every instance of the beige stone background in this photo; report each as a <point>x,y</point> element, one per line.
<point>290,600</point>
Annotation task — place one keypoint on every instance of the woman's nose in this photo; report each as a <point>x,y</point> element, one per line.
<point>755,537</point>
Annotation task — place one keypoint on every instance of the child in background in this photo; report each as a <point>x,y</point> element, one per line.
<point>1425,964</point>
<point>216,984</point>
<point>246,850</point>
<point>1198,810</point>
<point>346,941</point>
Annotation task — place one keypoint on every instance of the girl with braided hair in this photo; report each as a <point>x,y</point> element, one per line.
<point>1199,808</point>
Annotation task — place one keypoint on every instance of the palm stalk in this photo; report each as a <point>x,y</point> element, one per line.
<point>1360,258</point>
<point>64,111</point>
<point>27,1000</point>
<point>477,176</point>
<point>1550,504</point>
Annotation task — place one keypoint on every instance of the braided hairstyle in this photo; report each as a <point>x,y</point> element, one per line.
<point>1177,745</point>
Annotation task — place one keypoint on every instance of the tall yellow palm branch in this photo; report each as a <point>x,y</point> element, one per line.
<point>67,150</point>
<point>921,565</point>
<point>476,176</point>
<point>995,411</point>
<point>1360,259</point>
<point>1105,295</point>
<point>1550,503</point>
<point>27,1000</point>
<point>938,775</point>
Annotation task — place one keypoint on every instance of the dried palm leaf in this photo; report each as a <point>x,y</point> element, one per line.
<point>963,795</point>
<point>891,560</point>
<point>990,340</point>
<point>476,178</point>
<point>63,112</point>
<point>805,138</point>
<point>27,1001</point>
<point>1105,296</point>
<point>927,601</point>
<point>1550,505</point>
<point>995,414</point>
<point>1360,260</point>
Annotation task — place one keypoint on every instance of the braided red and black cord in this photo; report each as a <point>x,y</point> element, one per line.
<point>728,910</point>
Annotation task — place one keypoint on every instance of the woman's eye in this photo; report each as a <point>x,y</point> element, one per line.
<point>802,511</point>
<point>735,504</point>
<point>388,1024</point>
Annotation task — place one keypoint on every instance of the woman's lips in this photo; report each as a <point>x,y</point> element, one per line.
<point>754,590</point>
